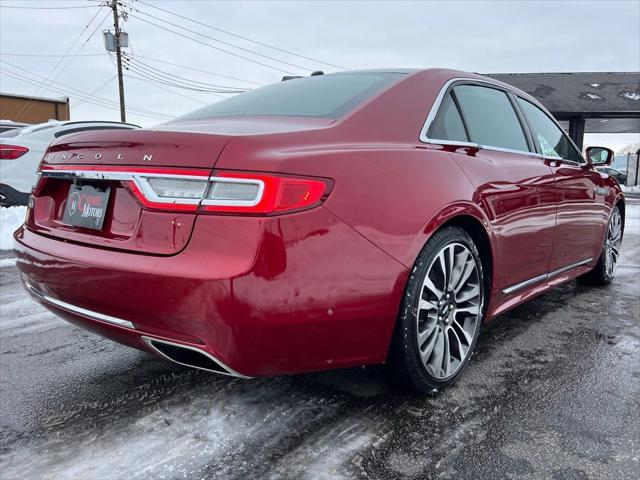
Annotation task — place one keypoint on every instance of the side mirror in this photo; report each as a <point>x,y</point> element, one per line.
<point>599,156</point>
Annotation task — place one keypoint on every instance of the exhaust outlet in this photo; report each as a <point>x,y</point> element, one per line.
<point>189,356</point>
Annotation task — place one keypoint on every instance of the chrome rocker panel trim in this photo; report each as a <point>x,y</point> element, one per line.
<point>545,276</point>
<point>79,310</point>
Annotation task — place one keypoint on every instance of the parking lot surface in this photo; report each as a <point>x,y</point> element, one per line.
<point>553,391</point>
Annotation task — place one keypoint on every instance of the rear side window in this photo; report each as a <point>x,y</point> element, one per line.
<point>552,140</point>
<point>490,117</point>
<point>448,124</point>
<point>324,96</point>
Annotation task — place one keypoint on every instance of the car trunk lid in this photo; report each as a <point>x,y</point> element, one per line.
<point>107,161</point>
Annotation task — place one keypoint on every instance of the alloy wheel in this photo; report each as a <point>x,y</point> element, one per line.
<point>449,310</point>
<point>612,242</point>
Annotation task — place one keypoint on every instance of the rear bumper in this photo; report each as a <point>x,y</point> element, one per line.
<point>126,333</point>
<point>262,296</point>
<point>9,196</point>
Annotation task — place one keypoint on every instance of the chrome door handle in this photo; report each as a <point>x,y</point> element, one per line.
<point>601,190</point>
<point>553,162</point>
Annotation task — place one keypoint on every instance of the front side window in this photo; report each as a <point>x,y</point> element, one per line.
<point>448,123</point>
<point>552,140</point>
<point>490,117</point>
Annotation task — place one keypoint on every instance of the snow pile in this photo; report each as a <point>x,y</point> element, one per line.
<point>626,189</point>
<point>7,262</point>
<point>10,219</point>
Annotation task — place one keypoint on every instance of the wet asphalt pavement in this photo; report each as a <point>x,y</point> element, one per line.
<point>552,392</point>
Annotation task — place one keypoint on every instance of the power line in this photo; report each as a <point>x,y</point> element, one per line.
<point>179,77</point>
<point>164,81</point>
<point>213,46</point>
<point>167,90</point>
<point>242,37</point>
<point>47,8</point>
<point>97,89</point>
<point>198,70</point>
<point>221,41</point>
<point>54,89</point>
<point>98,101</point>
<point>29,105</point>
<point>134,62</point>
<point>79,92</point>
<point>4,54</point>
<point>156,84</point>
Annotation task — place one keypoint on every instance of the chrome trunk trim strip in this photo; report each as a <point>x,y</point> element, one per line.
<point>545,276</point>
<point>79,310</point>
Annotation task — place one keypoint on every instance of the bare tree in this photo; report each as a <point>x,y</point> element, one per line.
<point>631,148</point>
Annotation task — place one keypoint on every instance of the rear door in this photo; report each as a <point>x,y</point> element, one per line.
<point>582,213</point>
<point>514,186</point>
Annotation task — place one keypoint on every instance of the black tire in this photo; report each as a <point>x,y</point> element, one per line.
<point>601,275</point>
<point>405,362</point>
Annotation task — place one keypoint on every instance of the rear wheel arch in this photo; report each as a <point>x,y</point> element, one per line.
<point>405,358</point>
<point>476,230</point>
<point>474,227</point>
<point>620,203</point>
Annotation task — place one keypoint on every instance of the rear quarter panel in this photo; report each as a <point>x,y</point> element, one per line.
<point>395,195</point>
<point>388,186</point>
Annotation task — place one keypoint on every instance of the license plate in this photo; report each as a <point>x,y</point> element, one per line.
<point>86,206</point>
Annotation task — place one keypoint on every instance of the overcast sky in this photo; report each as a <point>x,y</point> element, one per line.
<point>486,37</point>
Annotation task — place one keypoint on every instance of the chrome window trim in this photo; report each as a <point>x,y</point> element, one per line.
<point>79,310</point>
<point>228,371</point>
<point>562,131</point>
<point>545,276</point>
<point>519,152</point>
<point>433,112</point>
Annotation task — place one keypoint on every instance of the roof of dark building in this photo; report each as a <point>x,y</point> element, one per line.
<point>609,100</point>
<point>580,92</point>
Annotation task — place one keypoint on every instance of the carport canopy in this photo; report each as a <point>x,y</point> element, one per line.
<point>593,102</point>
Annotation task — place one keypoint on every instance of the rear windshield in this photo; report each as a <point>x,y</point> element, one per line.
<point>324,96</point>
<point>12,132</point>
<point>30,129</point>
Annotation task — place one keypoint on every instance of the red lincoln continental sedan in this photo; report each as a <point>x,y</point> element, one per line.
<point>322,222</point>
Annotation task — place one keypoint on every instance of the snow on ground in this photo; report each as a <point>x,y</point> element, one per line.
<point>19,314</point>
<point>7,262</point>
<point>626,189</point>
<point>10,219</point>
<point>179,439</point>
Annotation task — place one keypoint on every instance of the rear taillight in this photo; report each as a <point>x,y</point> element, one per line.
<point>262,193</point>
<point>11,152</point>
<point>192,190</point>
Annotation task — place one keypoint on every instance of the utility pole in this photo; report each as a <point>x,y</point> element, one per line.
<point>116,26</point>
